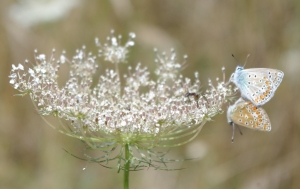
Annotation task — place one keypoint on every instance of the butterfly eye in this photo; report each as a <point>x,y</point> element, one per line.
<point>239,68</point>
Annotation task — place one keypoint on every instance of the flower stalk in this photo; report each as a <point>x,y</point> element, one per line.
<point>127,167</point>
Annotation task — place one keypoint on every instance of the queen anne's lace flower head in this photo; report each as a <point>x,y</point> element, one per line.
<point>141,112</point>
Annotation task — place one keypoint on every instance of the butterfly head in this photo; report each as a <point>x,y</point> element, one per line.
<point>236,73</point>
<point>239,68</point>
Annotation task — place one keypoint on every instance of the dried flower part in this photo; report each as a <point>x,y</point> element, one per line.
<point>143,114</point>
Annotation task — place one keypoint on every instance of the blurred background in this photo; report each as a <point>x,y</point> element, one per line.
<point>208,31</point>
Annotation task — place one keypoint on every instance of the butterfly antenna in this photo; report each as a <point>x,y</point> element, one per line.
<point>246,60</point>
<point>234,58</point>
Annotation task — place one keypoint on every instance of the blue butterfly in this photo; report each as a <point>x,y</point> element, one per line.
<point>257,85</point>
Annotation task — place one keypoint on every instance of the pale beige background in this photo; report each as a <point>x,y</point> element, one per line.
<point>209,31</point>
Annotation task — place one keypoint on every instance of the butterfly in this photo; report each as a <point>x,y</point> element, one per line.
<point>257,85</point>
<point>246,114</point>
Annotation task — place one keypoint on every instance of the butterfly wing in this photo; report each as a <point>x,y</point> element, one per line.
<point>248,115</point>
<point>258,85</point>
<point>273,75</point>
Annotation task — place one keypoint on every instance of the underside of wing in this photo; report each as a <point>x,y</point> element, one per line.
<point>256,86</point>
<point>273,75</point>
<point>247,115</point>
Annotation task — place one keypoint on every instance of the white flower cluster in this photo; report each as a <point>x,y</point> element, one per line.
<point>140,111</point>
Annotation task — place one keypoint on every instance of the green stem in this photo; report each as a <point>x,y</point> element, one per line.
<point>126,167</point>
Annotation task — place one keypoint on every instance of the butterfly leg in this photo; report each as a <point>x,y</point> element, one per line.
<point>239,130</point>
<point>233,127</point>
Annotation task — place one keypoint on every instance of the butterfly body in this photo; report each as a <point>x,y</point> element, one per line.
<point>257,85</point>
